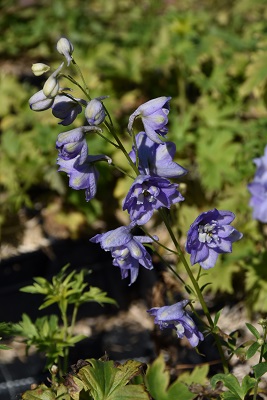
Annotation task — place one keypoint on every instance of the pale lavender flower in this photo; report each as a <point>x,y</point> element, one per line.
<point>258,200</point>
<point>39,102</point>
<point>154,115</point>
<point>261,164</point>
<point>82,175</point>
<point>73,143</point>
<point>258,189</point>
<point>127,250</point>
<point>210,235</point>
<point>149,193</point>
<point>67,109</point>
<point>177,318</point>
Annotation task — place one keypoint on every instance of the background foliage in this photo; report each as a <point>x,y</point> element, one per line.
<point>210,56</point>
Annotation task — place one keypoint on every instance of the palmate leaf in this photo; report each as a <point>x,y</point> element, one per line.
<point>105,381</point>
<point>157,381</point>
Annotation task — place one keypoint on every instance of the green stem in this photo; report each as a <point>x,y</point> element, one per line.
<point>63,310</point>
<point>82,78</point>
<point>170,267</point>
<point>196,287</point>
<point>77,84</point>
<point>121,170</point>
<point>105,138</point>
<point>156,241</point>
<point>73,318</point>
<point>122,148</point>
<point>260,360</point>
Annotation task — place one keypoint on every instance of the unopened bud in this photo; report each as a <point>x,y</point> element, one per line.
<point>40,68</point>
<point>65,47</point>
<point>54,369</point>
<point>95,112</point>
<point>51,86</point>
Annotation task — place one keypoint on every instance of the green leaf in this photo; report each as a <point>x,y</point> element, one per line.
<point>252,350</point>
<point>42,392</point>
<point>107,382</point>
<point>253,330</point>
<point>179,391</point>
<point>247,383</point>
<point>256,73</point>
<point>229,396</point>
<point>130,392</point>
<point>260,369</point>
<point>157,379</point>
<point>230,381</point>
<point>217,316</point>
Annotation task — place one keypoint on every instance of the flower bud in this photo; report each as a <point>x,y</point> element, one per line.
<point>51,86</point>
<point>54,369</point>
<point>40,68</point>
<point>95,112</point>
<point>65,47</point>
<point>39,102</point>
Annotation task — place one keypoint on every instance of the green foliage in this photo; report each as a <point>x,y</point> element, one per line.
<point>48,334</point>
<point>157,380</point>
<point>97,380</point>
<point>236,391</point>
<point>67,289</point>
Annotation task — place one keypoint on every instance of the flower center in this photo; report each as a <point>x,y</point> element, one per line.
<point>207,232</point>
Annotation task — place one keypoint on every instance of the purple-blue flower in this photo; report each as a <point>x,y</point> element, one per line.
<point>149,193</point>
<point>258,189</point>
<point>156,159</point>
<point>210,235</point>
<point>72,143</point>
<point>82,176</point>
<point>154,115</point>
<point>127,250</point>
<point>177,318</point>
<point>66,109</point>
<point>151,190</point>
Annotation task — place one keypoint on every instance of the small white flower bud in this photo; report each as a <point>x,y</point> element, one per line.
<point>51,86</point>
<point>65,47</point>
<point>54,369</point>
<point>40,68</point>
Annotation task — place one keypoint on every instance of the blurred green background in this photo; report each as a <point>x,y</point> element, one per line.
<point>210,56</point>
